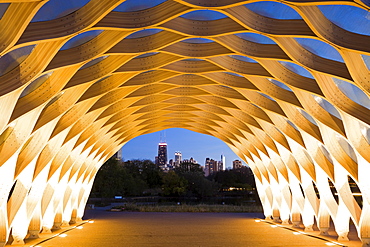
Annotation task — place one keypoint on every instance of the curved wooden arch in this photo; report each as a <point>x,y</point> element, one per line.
<point>65,112</point>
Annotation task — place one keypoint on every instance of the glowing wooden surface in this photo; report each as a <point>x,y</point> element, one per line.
<point>62,117</point>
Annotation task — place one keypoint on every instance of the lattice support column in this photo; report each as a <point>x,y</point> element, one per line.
<point>342,222</point>
<point>364,232</point>
<point>323,220</point>
<point>47,210</point>
<point>265,195</point>
<point>34,228</point>
<point>286,202</point>
<point>364,185</point>
<point>74,200</point>
<point>274,186</point>
<point>295,216</point>
<point>328,206</point>
<point>297,200</point>
<point>18,212</point>
<point>6,182</point>
<point>4,226</point>
<point>19,216</point>
<point>310,202</point>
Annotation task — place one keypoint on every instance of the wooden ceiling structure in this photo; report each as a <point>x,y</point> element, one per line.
<point>76,86</point>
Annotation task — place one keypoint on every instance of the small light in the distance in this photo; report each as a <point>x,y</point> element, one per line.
<point>63,235</point>
<point>91,221</point>
<point>79,227</point>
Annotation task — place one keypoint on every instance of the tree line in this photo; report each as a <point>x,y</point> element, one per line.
<point>144,178</point>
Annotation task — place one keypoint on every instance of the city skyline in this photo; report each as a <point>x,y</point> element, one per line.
<point>189,143</point>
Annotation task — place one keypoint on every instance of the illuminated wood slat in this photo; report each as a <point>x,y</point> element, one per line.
<point>16,16</point>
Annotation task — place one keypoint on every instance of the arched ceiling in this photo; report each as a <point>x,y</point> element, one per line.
<point>268,78</point>
<point>285,84</point>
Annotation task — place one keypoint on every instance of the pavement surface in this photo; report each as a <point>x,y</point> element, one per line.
<point>138,229</point>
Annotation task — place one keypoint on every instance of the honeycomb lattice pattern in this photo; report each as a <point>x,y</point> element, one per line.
<point>287,91</point>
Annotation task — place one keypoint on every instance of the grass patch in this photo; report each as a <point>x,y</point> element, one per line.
<point>200,208</point>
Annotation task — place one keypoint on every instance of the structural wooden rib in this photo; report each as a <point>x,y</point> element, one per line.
<point>285,86</point>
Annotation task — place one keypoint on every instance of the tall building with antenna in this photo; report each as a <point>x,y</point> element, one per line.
<point>162,151</point>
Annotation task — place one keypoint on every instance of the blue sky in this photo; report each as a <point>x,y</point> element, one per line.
<point>191,144</point>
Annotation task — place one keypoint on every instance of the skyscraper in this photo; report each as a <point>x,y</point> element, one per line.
<point>178,158</point>
<point>223,161</point>
<point>162,153</point>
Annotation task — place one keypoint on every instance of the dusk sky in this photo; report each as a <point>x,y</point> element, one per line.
<point>189,143</point>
